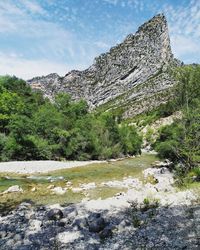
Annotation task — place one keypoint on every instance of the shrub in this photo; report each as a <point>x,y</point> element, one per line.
<point>167,149</point>
<point>130,140</point>
<point>149,136</point>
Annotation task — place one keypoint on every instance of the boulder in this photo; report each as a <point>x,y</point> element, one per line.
<point>80,223</point>
<point>96,223</point>
<point>105,233</point>
<point>55,214</point>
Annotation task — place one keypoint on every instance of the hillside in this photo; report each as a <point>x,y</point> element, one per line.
<point>134,75</point>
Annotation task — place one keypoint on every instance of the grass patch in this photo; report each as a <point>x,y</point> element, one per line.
<point>105,192</point>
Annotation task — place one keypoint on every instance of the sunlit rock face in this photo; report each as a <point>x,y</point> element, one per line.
<point>134,75</point>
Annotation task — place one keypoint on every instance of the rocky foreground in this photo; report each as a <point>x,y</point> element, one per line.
<point>148,216</point>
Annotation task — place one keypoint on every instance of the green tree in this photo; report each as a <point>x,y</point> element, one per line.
<point>46,119</point>
<point>130,140</point>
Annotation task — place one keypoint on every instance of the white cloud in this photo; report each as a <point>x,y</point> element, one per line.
<point>15,65</point>
<point>41,37</point>
<point>32,6</point>
<point>184,27</point>
<point>102,45</point>
<point>18,18</point>
<point>6,25</point>
<point>138,5</point>
<point>8,8</point>
<point>53,47</point>
<point>183,45</point>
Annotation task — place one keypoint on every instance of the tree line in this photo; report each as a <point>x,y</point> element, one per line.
<point>34,128</point>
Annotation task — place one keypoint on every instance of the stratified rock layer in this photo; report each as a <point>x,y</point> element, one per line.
<point>131,75</point>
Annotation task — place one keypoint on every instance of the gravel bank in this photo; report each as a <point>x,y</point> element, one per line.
<point>125,221</point>
<point>30,167</point>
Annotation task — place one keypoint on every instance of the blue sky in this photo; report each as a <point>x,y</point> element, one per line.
<point>38,37</point>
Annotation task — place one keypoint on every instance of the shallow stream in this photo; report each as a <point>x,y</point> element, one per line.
<point>94,173</point>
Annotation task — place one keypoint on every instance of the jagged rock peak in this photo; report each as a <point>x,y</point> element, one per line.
<point>158,20</point>
<point>127,66</point>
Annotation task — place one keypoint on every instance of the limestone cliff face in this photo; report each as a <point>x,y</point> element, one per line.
<point>130,75</point>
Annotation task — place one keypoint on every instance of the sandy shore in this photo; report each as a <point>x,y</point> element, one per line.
<point>30,167</point>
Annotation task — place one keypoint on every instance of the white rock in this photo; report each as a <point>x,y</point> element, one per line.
<point>77,190</point>
<point>132,182</point>
<point>88,186</point>
<point>55,206</point>
<point>68,237</point>
<point>68,183</point>
<point>113,183</point>
<point>125,183</point>
<point>59,190</point>
<point>33,189</point>
<point>34,227</point>
<point>51,186</point>
<point>14,189</point>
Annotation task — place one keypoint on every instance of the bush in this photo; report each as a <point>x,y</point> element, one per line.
<point>167,149</point>
<point>12,149</point>
<point>36,148</point>
<point>149,136</point>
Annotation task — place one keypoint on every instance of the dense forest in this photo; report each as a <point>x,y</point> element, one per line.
<point>32,127</point>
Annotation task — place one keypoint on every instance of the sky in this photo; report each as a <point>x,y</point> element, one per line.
<point>38,37</point>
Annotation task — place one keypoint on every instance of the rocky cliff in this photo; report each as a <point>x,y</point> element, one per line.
<point>133,75</point>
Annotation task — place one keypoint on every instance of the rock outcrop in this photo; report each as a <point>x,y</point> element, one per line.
<point>134,75</point>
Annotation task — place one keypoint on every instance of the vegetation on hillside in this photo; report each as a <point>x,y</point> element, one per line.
<point>181,141</point>
<point>32,127</point>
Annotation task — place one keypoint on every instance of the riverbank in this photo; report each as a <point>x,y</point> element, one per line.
<point>33,167</point>
<point>147,216</point>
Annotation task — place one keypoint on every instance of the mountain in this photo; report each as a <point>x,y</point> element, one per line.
<point>134,75</point>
